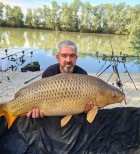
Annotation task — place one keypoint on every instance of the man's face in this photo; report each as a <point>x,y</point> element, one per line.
<point>67,59</point>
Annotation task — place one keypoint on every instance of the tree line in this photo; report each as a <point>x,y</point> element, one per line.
<point>74,17</point>
<point>78,17</point>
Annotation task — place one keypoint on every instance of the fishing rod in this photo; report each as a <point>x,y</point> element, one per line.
<point>32,79</point>
<point>101,68</point>
<point>123,60</point>
<point>114,63</point>
<point>6,49</point>
<point>104,58</point>
<point>110,77</point>
<point>104,70</point>
<point>30,52</point>
<point>21,59</point>
<point>119,58</point>
<point>115,68</point>
<point>7,56</point>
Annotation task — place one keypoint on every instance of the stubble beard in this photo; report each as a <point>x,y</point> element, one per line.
<point>68,69</point>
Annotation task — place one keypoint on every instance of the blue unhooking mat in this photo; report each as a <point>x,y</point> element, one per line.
<point>114,131</point>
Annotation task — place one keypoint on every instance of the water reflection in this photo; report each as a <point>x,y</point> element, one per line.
<point>43,39</point>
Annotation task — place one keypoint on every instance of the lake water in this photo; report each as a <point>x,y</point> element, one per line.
<point>47,57</point>
<point>43,44</point>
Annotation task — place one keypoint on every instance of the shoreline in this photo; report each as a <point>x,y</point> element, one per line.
<point>8,88</point>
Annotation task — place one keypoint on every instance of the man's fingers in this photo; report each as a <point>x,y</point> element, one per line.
<point>29,113</point>
<point>88,107</point>
<point>34,113</point>
<point>37,113</point>
<point>91,105</point>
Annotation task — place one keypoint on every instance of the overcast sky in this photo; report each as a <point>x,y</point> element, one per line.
<point>24,4</point>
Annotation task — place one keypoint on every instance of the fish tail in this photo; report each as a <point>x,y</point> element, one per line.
<point>3,112</point>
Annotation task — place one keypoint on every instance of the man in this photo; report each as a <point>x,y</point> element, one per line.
<point>66,56</point>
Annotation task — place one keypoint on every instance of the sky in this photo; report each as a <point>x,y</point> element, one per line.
<point>24,4</point>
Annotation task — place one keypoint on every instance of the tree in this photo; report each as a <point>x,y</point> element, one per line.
<point>74,13</point>
<point>97,18</point>
<point>132,18</point>
<point>135,38</point>
<point>17,16</point>
<point>1,14</point>
<point>49,19</point>
<point>55,15</point>
<point>14,16</point>
<point>8,15</point>
<point>85,18</point>
<point>77,16</point>
<point>29,18</point>
<point>65,18</point>
<point>45,12</point>
<point>37,17</point>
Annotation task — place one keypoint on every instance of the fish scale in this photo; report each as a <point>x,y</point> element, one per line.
<point>65,94</point>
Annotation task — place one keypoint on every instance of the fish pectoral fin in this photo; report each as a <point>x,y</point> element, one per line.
<point>18,93</point>
<point>91,114</point>
<point>65,120</point>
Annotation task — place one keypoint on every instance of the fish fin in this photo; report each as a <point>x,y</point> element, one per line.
<point>91,114</point>
<point>10,120</point>
<point>101,99</point>
<point>3,112</point>
<point>65,120</point>
<point>18,93</point>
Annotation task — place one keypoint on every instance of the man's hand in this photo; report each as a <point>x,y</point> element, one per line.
<point>88,107</point>
<point>35,113</point>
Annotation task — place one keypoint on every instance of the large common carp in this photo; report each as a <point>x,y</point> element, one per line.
<point>65,94</point>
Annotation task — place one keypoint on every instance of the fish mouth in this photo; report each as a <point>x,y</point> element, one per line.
<point>122,98</point>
